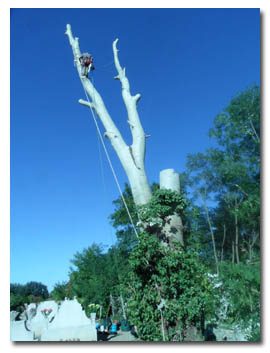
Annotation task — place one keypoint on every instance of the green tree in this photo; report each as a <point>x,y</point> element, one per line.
<point>36,289</point>
<point>61,291</point>
<point>27,293</point>
<point>229,176</point>
<point>18,289</point>
<point>237,131</point>
<point>230,173</point>
<point>168,291</point>
<point>126,237</point>
<point>170,276</point>
<point>94,277</point>
<point>241,290</point>
<point>16,302</point>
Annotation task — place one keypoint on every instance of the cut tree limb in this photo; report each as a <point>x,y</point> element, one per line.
<point>131,157</point>
<point>138,135</point>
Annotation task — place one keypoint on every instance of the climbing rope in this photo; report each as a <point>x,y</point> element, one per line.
<point>108,158</point>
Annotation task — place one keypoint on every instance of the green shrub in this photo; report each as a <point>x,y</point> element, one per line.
<point>170,275</point>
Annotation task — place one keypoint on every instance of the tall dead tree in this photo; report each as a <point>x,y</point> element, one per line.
<point>131,157</point>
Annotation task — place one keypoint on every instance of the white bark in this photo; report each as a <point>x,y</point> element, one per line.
<point>131,157</point>
<point>123,307</point>
<point>211,231</point>
<point>173,228</point>
<point>169,180</point>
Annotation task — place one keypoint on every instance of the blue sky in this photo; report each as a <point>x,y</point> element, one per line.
<point>186,63</point>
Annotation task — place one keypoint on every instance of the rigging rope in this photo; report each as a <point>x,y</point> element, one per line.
<point>108,157</point>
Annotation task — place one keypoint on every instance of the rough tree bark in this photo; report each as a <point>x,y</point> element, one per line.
<point>211,231</point>
<point>131,157</point>
<point>173,229</point>
<point>223,242</point>
<point>251,243</point>
<point>236,232</point>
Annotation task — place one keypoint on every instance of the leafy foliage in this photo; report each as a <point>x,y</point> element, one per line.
<point>229,177</point>
<point>173,276</point>
<point>61,291</point>
<point>241,286</point>
<point>16,301</point>
<point>95,275</point>
<point>163,204</point>
<point>37,289</point>
<point>226,180</point>
<point>170,275</point>
<point>31,291</point>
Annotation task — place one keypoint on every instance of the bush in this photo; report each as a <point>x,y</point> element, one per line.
<point>241,287</point>
<point>168,290</point>
<point>30,292</point>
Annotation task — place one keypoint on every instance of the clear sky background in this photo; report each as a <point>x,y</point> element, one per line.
<point>186,63</point>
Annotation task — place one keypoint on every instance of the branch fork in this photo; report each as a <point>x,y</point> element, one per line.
<point>131,157</point>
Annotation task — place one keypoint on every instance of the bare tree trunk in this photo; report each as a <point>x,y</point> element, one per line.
<point>250,303</point>
<point>212,234</point>
<point>123,306</point>
<point>112,304</point>
<point>223,242</point>
<point>233,256</point>
<point>162,326</point>
<point>236,234</point>
<point>100,311</point>
<point>251,243</point>
<point>249,252</point>
<point>131,157</point>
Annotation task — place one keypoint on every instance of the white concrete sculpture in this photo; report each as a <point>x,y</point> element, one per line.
<point>13,315</point>
<point>70,324</point>
<point>45,313</point>
<point>35,321</point>
<point>19,332</point>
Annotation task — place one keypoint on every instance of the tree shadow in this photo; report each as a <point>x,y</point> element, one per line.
<point>105,336</point>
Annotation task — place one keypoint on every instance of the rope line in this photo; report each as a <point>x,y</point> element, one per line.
<point>109,160</point>
<point>105,189</point>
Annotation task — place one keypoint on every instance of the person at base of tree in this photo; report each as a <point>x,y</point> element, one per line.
<point>107,324</point>
<point>114,327</point>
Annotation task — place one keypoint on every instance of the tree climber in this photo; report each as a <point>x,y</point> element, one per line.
<point>86,61</point>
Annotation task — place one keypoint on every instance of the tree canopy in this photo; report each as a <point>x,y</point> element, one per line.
<point>24,294</point>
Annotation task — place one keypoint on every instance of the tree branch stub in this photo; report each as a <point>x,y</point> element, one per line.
<point>138,135</point>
